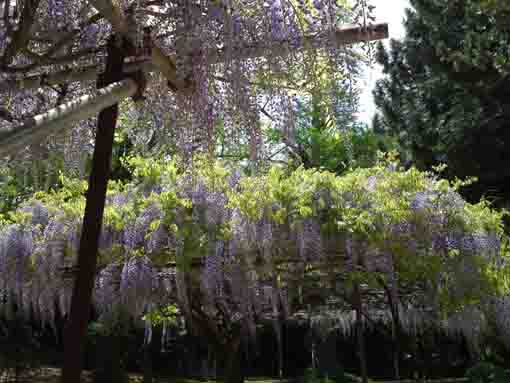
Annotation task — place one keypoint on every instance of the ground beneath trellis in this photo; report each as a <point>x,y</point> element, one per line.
<point>52,375</point>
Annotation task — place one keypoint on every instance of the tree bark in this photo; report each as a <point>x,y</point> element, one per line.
<point>397,336</point>
<point>120,24</point>
<point>148,376</point>
<point>86,73</point>
<point>92,222</point>
<point>21,35</point>
<point>226,345</point>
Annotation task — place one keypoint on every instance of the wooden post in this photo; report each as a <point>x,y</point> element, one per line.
<point>76,327</point>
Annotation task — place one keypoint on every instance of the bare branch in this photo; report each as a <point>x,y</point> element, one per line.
<point>113,14</point>
<point>6,11</point>
<point>154,13</point>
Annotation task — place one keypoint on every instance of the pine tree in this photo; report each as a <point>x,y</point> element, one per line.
<point>445,96</point>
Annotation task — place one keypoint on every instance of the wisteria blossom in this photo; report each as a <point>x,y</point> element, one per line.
<point>236,255</point>
<point>216,50</point>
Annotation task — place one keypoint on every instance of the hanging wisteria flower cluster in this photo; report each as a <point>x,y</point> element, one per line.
<point>235,58</point>
<point>234,248</point>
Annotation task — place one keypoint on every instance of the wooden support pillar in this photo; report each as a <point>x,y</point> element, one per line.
<point>76,327</point>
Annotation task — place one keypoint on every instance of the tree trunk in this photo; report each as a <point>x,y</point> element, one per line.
<point>397,336</point>
<point>317,125</point>
<point>279,345</point>
<point>232,372</point>
<point>359,333</point>
<point>147,364</point>
<point>396,328</point>
<point>396,350</point>
<point>92,222</point>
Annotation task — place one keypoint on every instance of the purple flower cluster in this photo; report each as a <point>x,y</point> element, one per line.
<point>106,291</point>
<point>423,200</point>
<point>16,246</point>
<point>134,235</point>
<point>309,239</point>
<point>237,280</point>
<point>137,282</point>
<point>470,243</point>
<point>212,274</point>
<point>38,212</point>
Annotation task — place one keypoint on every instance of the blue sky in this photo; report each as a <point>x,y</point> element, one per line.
<point>392,12</point>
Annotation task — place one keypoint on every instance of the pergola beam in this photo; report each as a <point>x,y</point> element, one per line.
<point>344,36</point>
<point>39,127</point>
<point>88,73</point>
<point>57,119</point>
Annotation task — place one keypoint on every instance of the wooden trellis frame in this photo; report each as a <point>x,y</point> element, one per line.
<point>37,128</point>
<point>105,102</point>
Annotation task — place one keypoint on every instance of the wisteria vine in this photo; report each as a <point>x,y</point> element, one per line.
<point>215,241</point>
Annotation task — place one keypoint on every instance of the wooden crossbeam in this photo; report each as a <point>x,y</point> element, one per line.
<point>344,36</point>
<point>39,127</point>
<point>60,118</point>
<point>87,73</point>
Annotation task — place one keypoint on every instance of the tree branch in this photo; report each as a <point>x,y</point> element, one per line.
<point>7,22</point>
<point>165,64</point>
<point>68,37</point>
<point>21,36</point>
<point>6,115</point>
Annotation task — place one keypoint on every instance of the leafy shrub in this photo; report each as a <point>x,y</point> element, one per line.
<point>313,375</point>
<point>486,372</point>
